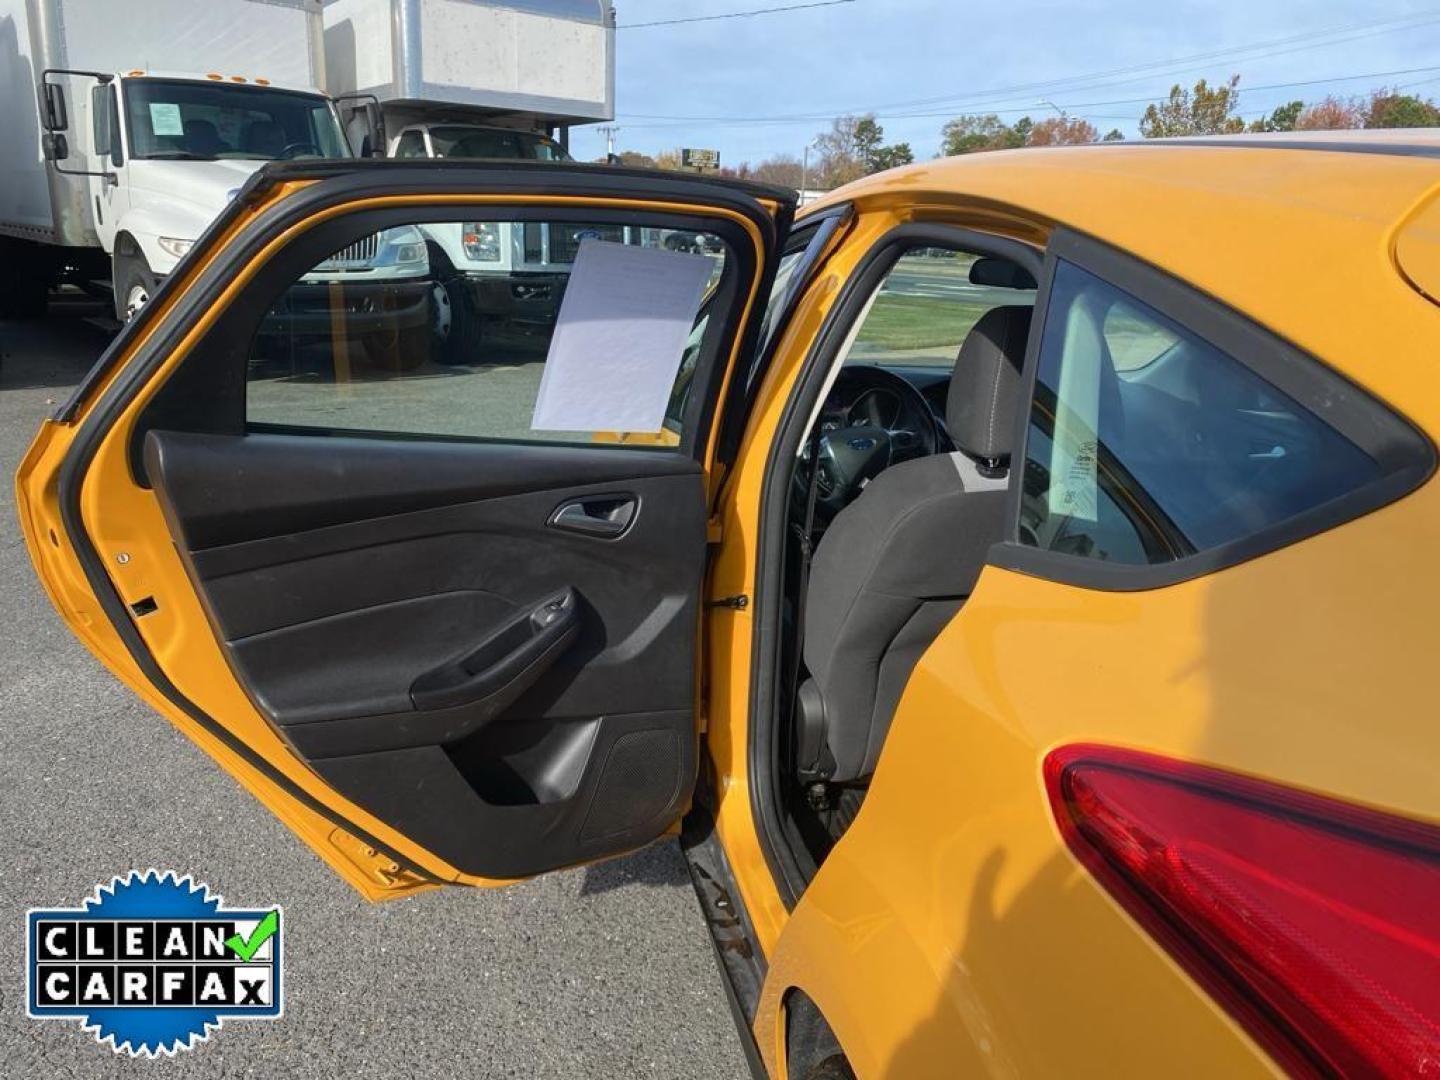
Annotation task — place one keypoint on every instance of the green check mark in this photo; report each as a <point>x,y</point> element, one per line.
<point>246,948</point>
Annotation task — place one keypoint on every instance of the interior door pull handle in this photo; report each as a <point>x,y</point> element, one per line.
<point>607,516</point>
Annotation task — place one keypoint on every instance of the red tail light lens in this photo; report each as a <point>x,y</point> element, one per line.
<point>1316,923</point>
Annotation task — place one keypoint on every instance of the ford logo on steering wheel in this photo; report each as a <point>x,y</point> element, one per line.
<point>864,442</point>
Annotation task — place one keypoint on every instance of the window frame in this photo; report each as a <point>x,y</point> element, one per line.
<point>772,823</point>
<point>208,393</point>
<point>1405,456</point>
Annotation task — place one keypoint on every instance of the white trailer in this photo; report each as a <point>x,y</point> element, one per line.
<point>535,64</point>
<point>487,79</point>
<point>129,126</point>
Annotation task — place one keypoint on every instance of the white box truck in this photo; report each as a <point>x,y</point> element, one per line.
<point>486,79</point>
<point>127,127</point>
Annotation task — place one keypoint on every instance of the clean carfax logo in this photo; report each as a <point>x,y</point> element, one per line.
<point>152,962</point>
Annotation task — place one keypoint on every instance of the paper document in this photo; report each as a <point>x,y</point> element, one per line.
<point>619,338</point>
<point>165,118</point>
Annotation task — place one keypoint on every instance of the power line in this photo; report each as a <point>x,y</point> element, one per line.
<point>733,14</point>
<point>1074,106</point>
<point>1299,42</point>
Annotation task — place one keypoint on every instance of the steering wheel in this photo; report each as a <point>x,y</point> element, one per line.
<point>294,149</point>
<point>871,419</point>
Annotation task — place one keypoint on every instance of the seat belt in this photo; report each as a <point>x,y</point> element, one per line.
<point>807,552</point>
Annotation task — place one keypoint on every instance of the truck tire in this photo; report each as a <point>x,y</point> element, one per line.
<point>25,280</point>
<point>456,326</point>
<point>134,284</point>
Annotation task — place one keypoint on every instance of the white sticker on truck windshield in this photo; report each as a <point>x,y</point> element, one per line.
<point>165,118</point>
<point>619,338</point>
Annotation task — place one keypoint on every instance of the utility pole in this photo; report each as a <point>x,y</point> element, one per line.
<point>1046,101</point>
<point>609,131</point>
<point>805,168</point>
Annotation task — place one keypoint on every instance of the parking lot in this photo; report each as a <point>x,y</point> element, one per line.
<point>603,971</point>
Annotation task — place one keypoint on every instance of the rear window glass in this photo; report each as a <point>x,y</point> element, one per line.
<point>1147,444</point>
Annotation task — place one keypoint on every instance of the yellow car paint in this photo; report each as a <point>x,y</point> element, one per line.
<point>951,932</point>
<point>125,519</point>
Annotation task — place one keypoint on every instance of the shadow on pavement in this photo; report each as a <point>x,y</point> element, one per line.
<point>58,350</point>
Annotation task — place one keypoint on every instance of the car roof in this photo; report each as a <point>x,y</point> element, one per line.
<point>1297,231</point>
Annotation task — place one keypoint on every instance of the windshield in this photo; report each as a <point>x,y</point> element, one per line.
<point>195,121</point>
<point>473,142</point>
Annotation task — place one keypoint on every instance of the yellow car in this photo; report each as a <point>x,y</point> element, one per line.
<point>1024,624</point>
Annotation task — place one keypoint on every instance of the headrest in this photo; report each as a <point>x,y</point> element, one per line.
<point>1001,274</point>
<point>985,386</point>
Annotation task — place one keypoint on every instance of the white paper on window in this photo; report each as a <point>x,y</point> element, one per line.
<point>619,338</point>
<point>165,118</point>
<point>1075,447</point>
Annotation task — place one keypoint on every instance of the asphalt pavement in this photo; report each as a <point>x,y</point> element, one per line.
<point>599,972</point>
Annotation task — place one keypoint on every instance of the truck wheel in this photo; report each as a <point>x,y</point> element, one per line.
<point>456,326</point>
<point>134,285</point>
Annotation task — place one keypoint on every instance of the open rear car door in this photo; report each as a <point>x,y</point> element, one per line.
<point>299,508</point>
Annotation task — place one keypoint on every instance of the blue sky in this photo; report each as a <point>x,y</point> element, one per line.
<point>904,58</point>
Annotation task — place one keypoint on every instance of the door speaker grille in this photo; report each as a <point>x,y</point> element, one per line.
<point>637,783</point>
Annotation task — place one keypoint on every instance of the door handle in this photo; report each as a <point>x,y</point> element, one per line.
<point>607,516</point>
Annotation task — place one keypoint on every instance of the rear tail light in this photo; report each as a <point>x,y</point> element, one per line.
<point>1316,923</point>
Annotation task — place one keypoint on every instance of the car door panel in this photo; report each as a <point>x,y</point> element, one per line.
<point>348,616</point>
<point>436,658</point>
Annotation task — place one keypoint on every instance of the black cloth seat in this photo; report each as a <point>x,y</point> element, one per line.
<point>897,563</point>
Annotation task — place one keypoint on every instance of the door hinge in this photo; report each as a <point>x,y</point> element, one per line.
<point>735,603</point>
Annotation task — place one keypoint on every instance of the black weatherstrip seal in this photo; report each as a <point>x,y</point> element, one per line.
<point>791,878</point>
<point>1405,455</point>
<point>339,183</point>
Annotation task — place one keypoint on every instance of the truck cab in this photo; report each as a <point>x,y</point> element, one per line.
<point>167,151</point>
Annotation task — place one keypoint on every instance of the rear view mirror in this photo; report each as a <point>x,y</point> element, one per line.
<point>54,146</point>
<point>53,112</point>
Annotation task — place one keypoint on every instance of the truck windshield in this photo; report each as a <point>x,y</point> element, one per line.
<point>474,142</point>
<point>206,121</point>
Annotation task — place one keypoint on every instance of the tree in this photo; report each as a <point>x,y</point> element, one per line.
<point>1282,118</point>
<point>1205,110</point>
<point>1392,109</point>
<point>855,147</point>
<point>1062,131</point>
<point>668,159</point>
<point>1114,135</point>
<point>839,152</point>
<point>1331,114</point>
<point>974,132</point>
<point>891,157</point>
<point>781,169</point>
<point>636,160</point>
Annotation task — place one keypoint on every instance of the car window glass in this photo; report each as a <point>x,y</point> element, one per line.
<point>1147,444</point>
<point>411,144</point>
<point>493,143</point>
<point>928,303</point>
<point>1133,339</point>
<point>444,329</point>
<point>215,121</point>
